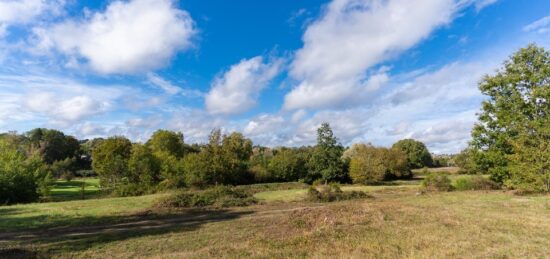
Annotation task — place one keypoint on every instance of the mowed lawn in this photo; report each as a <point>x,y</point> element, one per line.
<point>397,221</point>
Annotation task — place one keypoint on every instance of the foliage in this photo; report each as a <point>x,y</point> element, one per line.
<point>218,196</point>
<point>167,141</point>
<point>476,182</point>
<point>65,169</point>
<point>332,192</point>
<point>52,145</point>
<point>371,164</point>
<point>325,162</point>
<point>143,168</point>
<point>417,153</point>
<point>22,179</point>
<point>288,165</point>
<point>513,128</point>
<point>437,182</point>
<point>110,161</point>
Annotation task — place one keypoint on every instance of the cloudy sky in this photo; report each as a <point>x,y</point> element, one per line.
<point>376,70</point>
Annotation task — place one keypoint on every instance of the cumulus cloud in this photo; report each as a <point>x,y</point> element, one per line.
<point>59,101</point>
<point>128,37</point>
<point>350,37</point>
<point>334,66</point>
<point>238,89</point>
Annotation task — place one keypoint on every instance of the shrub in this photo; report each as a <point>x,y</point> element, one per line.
<point>437,182</point>
<point>474,183</point>
<point>332,192</point>
<point>219,196</point>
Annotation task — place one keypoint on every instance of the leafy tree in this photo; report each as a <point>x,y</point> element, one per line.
<point>167,141</point>
<point>236,154</point>
<point>110,161</point>
<point>417,153</point>
<point>64,168</point>
<point>513,128</point>
<point>22,179</point>
<point>52,145</point>
<point>288,165</point>
<point>371,164</point>
<point>325,162</point>
<point>143,168</point>
<point>198,170</point>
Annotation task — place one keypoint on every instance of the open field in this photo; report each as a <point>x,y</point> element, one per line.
<point>396,222</point>
<point>72,190</point>
<point>450,170</point>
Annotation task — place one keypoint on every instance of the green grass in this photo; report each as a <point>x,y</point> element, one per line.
<point>72,213</point>
<point>72,190</point>
<point>300,194</point>
<point>397,222</point>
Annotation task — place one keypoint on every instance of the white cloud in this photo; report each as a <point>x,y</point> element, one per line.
<point>237,90</point>
<point>172,89</point>
<point>541,25</point>
<point>480,4</point>
<point>196,124</point>
<point>128,37</point>
<point>25,11</point>
<point>263,124</point>
<point>163,84</point>
<point>57,101</point>
<point>352,36</point>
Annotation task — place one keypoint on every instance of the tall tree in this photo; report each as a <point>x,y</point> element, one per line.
<point>326,161</point>
<point>514,126</point>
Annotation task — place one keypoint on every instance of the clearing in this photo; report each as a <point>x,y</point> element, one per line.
<point>396,222</point>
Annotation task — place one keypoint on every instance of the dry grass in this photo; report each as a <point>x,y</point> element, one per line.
<point>396,223</point>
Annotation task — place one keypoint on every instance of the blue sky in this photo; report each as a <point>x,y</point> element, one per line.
<point>377,71</point>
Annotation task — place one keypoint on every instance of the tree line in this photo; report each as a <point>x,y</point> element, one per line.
<point>165,161</point>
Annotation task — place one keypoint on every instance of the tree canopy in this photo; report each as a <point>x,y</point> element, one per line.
<point>513,131</point>
<point>417,153</point>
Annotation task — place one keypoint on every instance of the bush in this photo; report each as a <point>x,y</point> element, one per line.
<point>332,192</point>
<point>437,182</point>
<point>219,196</point>
<point>474,183</point>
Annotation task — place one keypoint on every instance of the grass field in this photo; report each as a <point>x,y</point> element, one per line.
<point>396,222</point>
<point>73,190</point>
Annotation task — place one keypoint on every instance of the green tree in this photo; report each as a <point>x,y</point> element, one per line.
<point>167,141</point>
<point>288,165</point>
<point>237,151</point>
<point>513,128</point>
<point>143,168</point>
<point>110,161</point>
<point>372,164</point>
<point>326,162</point>
<point>22,179</point>
<point>52,145</point>
<point>417,153</point>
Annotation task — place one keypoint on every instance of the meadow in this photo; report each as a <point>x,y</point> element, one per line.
<point>397,220</point>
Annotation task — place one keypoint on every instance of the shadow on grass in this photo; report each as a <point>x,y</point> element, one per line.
<point>57,240</point>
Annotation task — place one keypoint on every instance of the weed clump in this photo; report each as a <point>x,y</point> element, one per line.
<point>332,192</point>
<point>474,183</point>
<point>219,196</point>
<point>437,182</point>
